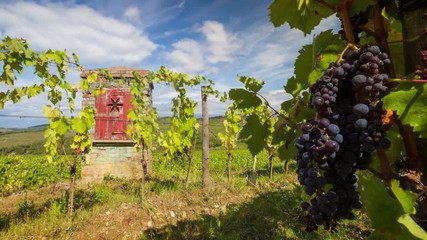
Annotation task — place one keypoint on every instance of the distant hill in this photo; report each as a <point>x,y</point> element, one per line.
<point>43,126</point>
<point>30,140</point>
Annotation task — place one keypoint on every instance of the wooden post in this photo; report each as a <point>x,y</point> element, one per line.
<point>149,155</point>
<point>205,140</point>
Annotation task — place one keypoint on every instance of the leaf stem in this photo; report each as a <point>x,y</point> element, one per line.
<point>288,120</point>
<point>349,45</point>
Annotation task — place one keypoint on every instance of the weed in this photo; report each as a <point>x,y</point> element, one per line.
<point>158,185</point>
<point>101,193</point>
<point>26,209</point>
<point>58,206</point>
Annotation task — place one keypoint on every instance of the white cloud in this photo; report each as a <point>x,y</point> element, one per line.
<point>96,39</point>
<point>132,13</point>
<point>269,53</point>
<point>191,56</point>
<point>187,55</point>
<point>221,45</point>
<point>276,98</point>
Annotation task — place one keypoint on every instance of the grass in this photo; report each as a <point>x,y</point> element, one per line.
<point>112,209</point>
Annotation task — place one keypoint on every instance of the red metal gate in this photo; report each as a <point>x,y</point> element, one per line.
<point>111,117</point>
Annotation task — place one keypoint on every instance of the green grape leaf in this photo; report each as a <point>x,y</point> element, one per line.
<point>50,112</point>
<point>78,125</point>
<point>251,83</point>
<point>415,231</point>
<point>409,101</point>
<point>304,19</point>
<point>294,87</point>
<point>360,6</point>
<point>381,208</point>
<point>3,99</point>
<point>34,90</point>
<point>61,126</point>
<point>312,60</point>
<point>244,98</point>
<point>76,59</point>
<point>387,215</point>
<point>406,199</point>
<point>256,134</point>
<point>8,76</point>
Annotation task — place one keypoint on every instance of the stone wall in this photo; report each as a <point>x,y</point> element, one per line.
<point>116,161</point>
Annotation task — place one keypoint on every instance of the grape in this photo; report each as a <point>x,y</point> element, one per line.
<point>366,57</point>
<point>305,137</point>
<point>312,173</point>
<point>360,109</point>
<point>313,210</point>
<point>323,165</point>
<point>324,209</point>
<point>370,81</point>
<point>305,205</point>
<point>318,218</point>
<point>346,66</point>
<point>367,147</point>
<point>310,190</point>
<point>332,146</point>
<point>306,127</point>
<point>333,129</point>
<point>359,80</point>
<point>384,143</point>
<point>318,101</point>
<point>301,164</point>
<point>306,156</point>
<point>320,181</point>
<point>322,199</point>
<point>378,78</point>
<point>339,72</point>
<point>374,49</point>
<point>361,123</point>
<point>340,139</point>
<point>387,61</point>
<point>332,196</point>
<point>309,181</point>
<point>353,178</point>
<point>323,123</point>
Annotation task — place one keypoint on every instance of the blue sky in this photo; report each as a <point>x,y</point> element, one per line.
<point>219,39</point>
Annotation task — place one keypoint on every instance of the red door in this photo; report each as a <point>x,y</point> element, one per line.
<point>111,116</point>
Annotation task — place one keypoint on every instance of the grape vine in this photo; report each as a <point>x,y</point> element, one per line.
<point>179,141</point>
<point>144,127</point>
<point>16,55</point>
<point>356,100</point>
<point>232,127</point>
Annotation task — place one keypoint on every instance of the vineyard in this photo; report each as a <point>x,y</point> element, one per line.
<point>344,158</point>
<point>104,210</point>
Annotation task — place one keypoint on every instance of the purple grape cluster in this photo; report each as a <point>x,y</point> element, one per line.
<point>340,140</point>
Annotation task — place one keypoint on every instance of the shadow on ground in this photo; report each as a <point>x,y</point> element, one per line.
<point>271,215</point>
